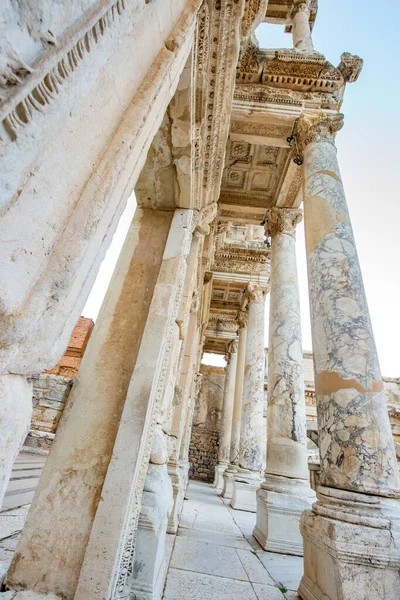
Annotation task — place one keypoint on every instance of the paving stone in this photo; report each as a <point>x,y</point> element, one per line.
<point>283,568</point>
<point>267,592</point>
<point>254,568</point>
<point>192,555</point>
<point>185,585</point>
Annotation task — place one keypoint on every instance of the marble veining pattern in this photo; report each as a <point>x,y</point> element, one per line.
<point>356,445</point>
<point>286,417</point>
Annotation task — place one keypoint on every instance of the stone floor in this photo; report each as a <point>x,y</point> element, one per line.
<point>215,556</point>
<point>212,556</point>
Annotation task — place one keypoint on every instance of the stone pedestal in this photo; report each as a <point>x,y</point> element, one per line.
<point>227,412</point>
<point>150,568</point>
<point>244,490</point>
<point>229,478</point>
<point>178,473</point>
<point>285,489</point>
<point>351,537</point>
<point>280,504</point>
<point>351,547</point>
<point>252,434</point>
<point>15,419</point>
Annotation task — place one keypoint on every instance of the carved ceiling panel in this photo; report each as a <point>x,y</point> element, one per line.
<point>252,173</point>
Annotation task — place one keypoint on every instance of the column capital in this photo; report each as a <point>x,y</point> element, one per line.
<point>243,318</point>
<point>282,220</point>
<point>255,293</point>
<point>300,6</point>
<point>232,349</point>
<point>318,128</point>
<point>205,217</point>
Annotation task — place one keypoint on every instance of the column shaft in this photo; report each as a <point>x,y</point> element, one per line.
<point>286,413</point>
<point>301,30</point>
<point>224,447</point>
<point>356,444</point>
<point>251,434</point>
<point>237,406</point>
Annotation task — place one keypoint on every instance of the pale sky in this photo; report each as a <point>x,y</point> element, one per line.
<point>369,158</point>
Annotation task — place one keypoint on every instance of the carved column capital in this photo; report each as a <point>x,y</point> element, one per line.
<point>318,128</point>
<point>282,220</point>
<point>232,349</point>
<point>243,319</point>
<point>300,6</point>
<point>255,293</point>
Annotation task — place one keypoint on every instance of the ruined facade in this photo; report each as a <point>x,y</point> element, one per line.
<point>226,146</point>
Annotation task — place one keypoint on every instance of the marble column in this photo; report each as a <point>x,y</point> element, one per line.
<point>237,407</point>
<point>352,535</point>
<point>252,436</point>
<point>224,447</point>
<point>285,491</point>
<point>301,30</point>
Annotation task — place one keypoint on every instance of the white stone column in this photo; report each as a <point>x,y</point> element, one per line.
<point>301,30</point>
<point>285,491</point>
<point>15,419</point>
<point>252,435</point>
<point>237,407</point>
<point>352,535</point>
<point>224,448</point>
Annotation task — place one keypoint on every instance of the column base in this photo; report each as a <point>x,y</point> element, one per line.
<point>351,547</point>
<point>179,475</point>
<point>245,486</point>
<point>219,476</point>
<point>229,476</point>
<point>280,504</point>
<point>150,567</point>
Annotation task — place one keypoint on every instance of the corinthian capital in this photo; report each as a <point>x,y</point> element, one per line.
<point>318,128</point>
<point>282,220</point>
<point>255,293</point>
<point>206,217</point>
<point>300,6</point>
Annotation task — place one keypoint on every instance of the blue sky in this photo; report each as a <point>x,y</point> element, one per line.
<point>368,150</point>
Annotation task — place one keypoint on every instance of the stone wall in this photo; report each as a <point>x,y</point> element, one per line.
<point>50,393</point>
<point>51,390</point>
<point>203,450</point>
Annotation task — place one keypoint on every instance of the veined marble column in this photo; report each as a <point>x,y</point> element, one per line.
<point>301,30</point>
<point>252,436</point>
<point>285,492</point>
<point>224,448</point>
<point>352,535</point>
<point>237,407</point>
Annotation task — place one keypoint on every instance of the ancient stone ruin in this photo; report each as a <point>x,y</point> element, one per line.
<point>226,147</point>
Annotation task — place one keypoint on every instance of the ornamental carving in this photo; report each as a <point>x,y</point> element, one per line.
<point>255,293</point>
<point>254,14</point>
<point>350,67</point>
<point>232,348</point>
<point>300,6</point>
<point>206,217</point>
<point>243,318</point>
<point>282,221</point>
<point>316,128</point>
